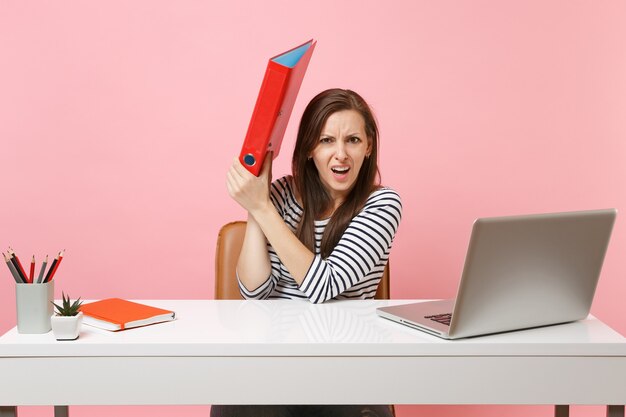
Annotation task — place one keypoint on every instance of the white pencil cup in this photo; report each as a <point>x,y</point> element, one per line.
<point>34,307</point>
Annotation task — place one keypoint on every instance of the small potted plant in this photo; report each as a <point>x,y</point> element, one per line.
<point>67,320</point>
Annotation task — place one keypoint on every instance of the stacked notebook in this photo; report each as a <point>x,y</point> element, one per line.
<point>117,314</point>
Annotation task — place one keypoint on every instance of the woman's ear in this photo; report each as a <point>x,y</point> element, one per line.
<point>369,148</point>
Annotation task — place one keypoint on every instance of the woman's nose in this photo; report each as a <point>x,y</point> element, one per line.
<point>340,152</point>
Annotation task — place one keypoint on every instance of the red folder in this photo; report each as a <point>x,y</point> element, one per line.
<point>274,104</point>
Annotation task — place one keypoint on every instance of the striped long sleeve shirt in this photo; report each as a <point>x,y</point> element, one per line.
<point>355,266</point>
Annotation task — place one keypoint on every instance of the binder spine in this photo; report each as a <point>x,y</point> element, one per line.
<point>266,111</point>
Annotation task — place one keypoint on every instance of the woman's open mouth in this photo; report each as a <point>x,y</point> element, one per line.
<point>340,173</point>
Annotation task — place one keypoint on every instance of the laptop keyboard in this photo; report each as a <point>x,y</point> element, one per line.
<point>441,318</point>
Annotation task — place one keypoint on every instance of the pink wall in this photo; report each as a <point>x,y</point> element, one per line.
<point>118,121</point>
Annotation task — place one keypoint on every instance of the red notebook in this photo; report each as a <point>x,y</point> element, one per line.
<point>274,104</point>
<point>117,314</point>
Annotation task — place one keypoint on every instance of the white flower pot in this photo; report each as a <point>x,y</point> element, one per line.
<point>66,327</point>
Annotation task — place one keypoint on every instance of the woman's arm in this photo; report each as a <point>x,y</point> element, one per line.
<point>296,257</point>
<point>253,266</point>
<point>252,193</point>
<point>363,248</point>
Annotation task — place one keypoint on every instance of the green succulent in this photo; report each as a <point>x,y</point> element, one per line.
<point>68,308</point>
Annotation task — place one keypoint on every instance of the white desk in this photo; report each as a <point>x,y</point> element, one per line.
<point>273,352</point>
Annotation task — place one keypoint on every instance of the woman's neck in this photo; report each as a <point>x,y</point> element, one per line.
<point>335,204</point>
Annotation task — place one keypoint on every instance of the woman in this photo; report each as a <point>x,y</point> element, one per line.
<point>323,233</point>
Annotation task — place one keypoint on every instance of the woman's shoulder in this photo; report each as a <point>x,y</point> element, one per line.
<point>382,210</point>
<point>384,196</point>
<point>284,192</point>
<point>284,185</point>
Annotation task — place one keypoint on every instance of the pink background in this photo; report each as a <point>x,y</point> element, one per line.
<point>118,121</point>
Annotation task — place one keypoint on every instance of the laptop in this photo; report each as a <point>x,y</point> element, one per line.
<point>520,272</point>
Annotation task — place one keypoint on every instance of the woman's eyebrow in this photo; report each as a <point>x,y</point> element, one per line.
<point>349,135</point>
<point>355,133</point>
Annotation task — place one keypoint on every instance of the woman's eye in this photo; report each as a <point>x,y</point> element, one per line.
<point>355,139</point>
<point>325,140</point>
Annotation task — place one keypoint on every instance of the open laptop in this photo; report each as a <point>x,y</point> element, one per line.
<point>520,272</point>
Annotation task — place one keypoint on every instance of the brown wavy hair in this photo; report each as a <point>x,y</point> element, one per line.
<point>315,199</point>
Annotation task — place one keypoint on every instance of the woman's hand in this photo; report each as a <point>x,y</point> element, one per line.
<point>251,192</point>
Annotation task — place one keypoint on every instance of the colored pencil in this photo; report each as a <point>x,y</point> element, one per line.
<point>42,270</point>
<point>14,273</point>
<point>32,270</point>
<point>18,267</point>
<point>55,266</point>
<point>54,263</point>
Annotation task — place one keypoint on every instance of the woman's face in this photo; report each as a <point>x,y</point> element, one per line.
<point>340,151</point>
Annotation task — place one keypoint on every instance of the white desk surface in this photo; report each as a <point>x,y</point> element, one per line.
<point>292,352</point>
<point>299,328</point>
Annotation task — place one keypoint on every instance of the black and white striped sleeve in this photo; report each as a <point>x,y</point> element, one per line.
<point>261,293</point>
<point>365,244</point>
